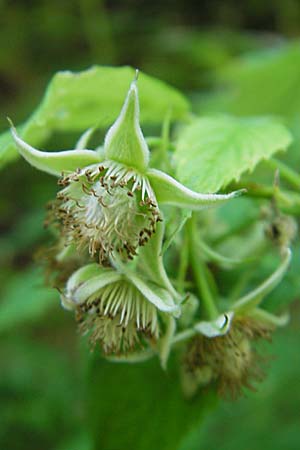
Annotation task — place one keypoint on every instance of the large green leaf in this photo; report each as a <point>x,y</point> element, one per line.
<point>138,406</point>
<point>76,101</point>
<point>214,151</point>
<point>263,82</point>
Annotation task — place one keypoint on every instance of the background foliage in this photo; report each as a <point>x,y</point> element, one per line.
<point>242,59</point>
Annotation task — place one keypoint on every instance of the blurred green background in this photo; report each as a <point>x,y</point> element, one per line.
<point>189,44</point>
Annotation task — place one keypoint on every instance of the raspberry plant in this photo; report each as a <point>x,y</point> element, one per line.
<point>147,272</point>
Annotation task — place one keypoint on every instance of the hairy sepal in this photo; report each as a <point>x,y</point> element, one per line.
<point>124,141</point>
<point>170,191</point>
<point>156,295</point>
<point>55,163</point>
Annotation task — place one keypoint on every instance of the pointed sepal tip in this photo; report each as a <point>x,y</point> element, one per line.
<point>124,141</point>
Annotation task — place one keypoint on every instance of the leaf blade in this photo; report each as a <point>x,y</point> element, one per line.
<point>75,101</point>
<point>142,404</point>
<point>224,147</point>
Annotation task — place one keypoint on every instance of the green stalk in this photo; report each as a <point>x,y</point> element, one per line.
<point>183,336</point>
<point>155,141</point>
<point>183,264</point>
<point>285,171</point>
<point>199,270</point>
<point>288,200</point>
<point>165,141</point>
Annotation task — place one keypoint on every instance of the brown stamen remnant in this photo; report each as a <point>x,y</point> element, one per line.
<point>282,230</point>
<point>97,214</point>
<point>231,360</point>
<point>57,270</point>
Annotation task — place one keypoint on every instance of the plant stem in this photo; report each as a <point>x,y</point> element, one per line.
<point>165,141</point>
<point>183,335</point>
<point>175,232</point>
<point>155,141</point>
<point>199,271</point>
<point>234,230</point>
<point>285,171</point>
<point>289,201</point>
<point>183,264</point>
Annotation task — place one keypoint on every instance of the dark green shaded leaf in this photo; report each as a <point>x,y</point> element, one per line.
<point>139,406</point>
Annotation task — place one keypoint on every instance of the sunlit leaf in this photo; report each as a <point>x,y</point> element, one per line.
<point>262,82</point>
<point>214,151</point>
<point>75,101</point>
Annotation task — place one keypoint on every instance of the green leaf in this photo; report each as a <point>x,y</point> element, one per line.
<point>259,83</point>
<point>139,406</point>
<point>75,101</point>
<point>214,151</point>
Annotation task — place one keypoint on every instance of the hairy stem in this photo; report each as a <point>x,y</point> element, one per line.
<point>285,171</point>
<point>199,271</point>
